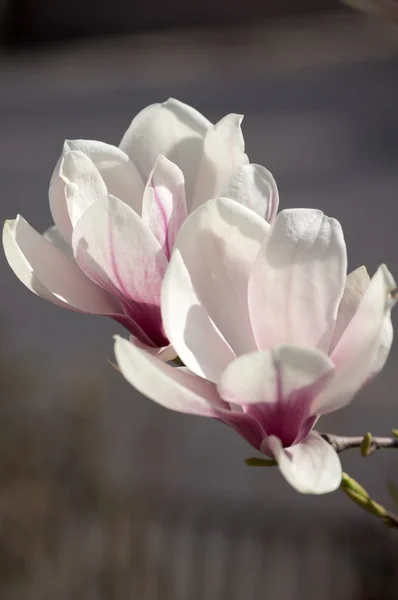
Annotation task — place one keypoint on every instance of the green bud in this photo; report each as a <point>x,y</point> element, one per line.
<point>361,497</point>
<point>260,462</point>
<point>393,489</point>
<point>366,445</point>
<point>395,433</point>
<point>348,484</point>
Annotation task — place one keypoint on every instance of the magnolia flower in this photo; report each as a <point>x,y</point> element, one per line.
<point>271,330</point>
<point>117,211</point>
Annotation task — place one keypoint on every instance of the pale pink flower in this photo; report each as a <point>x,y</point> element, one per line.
<point>272,331</point>
<point>117,211</point>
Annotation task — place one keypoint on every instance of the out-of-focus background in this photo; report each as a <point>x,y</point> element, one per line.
<point>103,494</point>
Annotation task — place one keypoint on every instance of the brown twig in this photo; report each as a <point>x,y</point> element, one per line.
<point>368,443</point>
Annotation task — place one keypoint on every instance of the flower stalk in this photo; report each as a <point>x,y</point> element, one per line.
<point>367,444</point>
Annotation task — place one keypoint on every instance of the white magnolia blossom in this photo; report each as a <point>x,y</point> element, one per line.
<point>271,329</point>
<point>117,211</point>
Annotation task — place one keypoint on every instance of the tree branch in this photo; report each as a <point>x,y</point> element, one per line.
<point>367,444</point>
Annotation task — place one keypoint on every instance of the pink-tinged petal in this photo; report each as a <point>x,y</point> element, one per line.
<point>254,187</point>
<point>206,285</point>
<point>51,273</point>
<point>245,425</point>
<point>165,354</point>
<point>223,154</point>
<point>173,129</point>
<point>119,173</point>
<point>119,253</point>
<point>277,387</point>
<point>355,287</point>
<point>188,326</point>
<point>173,388</point>
<point>298,280</point>
<point>164,209</point>
<point>359,350</point>
<point>311,467</point>
<point>83,184</point>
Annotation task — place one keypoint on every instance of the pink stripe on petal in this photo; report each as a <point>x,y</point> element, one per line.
<point>164,209</point>
<point>116,250</point>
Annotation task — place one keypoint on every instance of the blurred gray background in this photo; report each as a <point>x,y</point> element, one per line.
<point>319,92</point>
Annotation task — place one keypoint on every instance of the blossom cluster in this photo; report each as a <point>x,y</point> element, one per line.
<point>234,311</point>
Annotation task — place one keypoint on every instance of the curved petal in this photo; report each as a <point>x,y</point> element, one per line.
<point>223,154</point>
<point>165,354</point>
<point>55,238</point>
<point>164,209</point>
<point>118,252</point>
<point>277,387</point>
<point>245,425</point>
<point>83,184</point>
<point>50,273</point>
<point>362,347</point>
<point>119,173</point>
<point>298,280</point>
<point>355,287</point>
<point>188,326</point>
<point>254,187</point>
<point>171,128</point>
<point>58,206</point>
<point>383,350</point>
<point>214,252</point>
<point>311,467</point>
<point>173,388</point>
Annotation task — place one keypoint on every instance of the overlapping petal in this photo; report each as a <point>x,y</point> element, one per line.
<point>164,208</point>
<point>277,387</point>
<point>223,154</point>
<point>173,129</point>
<point>119,253</point>
<point>363,346</point>
<point>50,272</point>
<point>311,467</point>
<point>298,280</point>
<point>254,187</point>
<point>205,289</point>
<point>355,287</point>
<point>174,388</point>
<point>118,172</point>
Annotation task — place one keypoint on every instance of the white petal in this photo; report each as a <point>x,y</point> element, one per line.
<point>171,128</point>
<point>383,350</point>
<point>53,235</point>
<point>355,287</point>
<point>50,273</point>
<point>118,252</point>
<point>311,467</point>
<point>207,283</point>
<point>164,209</point>
<point>83,184</point>
<point>363,346</point>
<point>297,282</point>
<point>173,388</point>
<point>254,187</point>
<point>58,206</point>
<point>223,154</point>
<point>274,376</point>
<point>277,388</point>
<point>165,354</point>
<point>188,326</point>
<point>117,170</point>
